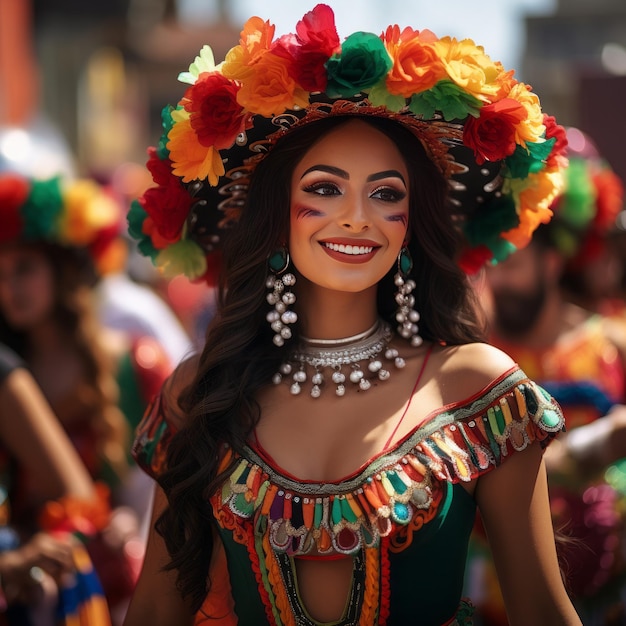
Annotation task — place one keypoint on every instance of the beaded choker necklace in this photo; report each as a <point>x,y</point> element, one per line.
<point>337,354</point>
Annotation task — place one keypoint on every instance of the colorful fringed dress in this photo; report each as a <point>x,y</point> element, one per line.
<point>404,517</point>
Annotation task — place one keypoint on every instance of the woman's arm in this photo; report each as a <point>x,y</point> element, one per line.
<point>33,435</point>
<point>514,506</point>
<point>156,600</point>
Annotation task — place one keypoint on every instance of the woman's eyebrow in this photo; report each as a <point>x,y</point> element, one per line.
<point>386,174</point>
<point>330,169</point>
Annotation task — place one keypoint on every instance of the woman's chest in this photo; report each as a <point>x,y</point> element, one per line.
<point>327,439</point>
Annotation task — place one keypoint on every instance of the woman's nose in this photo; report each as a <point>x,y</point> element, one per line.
<point>354,216</point>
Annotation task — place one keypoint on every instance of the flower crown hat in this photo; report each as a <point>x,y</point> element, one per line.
<point>586,211</point>
<point>77,214</point>
<point>483,129</point>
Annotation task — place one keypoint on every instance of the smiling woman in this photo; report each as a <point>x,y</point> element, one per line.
<point>346,217</point>
<point>344,189</point>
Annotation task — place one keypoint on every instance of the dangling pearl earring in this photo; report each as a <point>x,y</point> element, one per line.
<point>280,296</point>
<point>406,316</point>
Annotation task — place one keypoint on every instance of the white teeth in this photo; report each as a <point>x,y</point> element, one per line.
<point>339,247</point>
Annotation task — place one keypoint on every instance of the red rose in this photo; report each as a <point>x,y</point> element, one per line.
<point>473,259</point>
<point>168,206</point>
<point>558,155</point>
<point>161,169</point>
<point>492,135</point>
<point>315,41</point>
<point>609,198</point>
<point>216,116</point>
<point>14,191</point>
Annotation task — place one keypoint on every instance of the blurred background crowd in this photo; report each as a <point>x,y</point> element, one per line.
<point>89,329</point>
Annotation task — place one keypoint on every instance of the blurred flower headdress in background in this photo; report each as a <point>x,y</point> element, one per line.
<point>587,209</point>
<point>483,129</point>
<point>73,213</point>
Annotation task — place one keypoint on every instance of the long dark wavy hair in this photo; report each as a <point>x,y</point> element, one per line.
<point>75,316</point>
<point>239,356</point>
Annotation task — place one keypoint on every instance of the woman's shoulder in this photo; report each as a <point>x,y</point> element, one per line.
<point>469,368</point>
<point>174,387</point>
<point>163,418</point>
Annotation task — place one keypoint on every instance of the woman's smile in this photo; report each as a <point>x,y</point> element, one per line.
<point>350,250</point>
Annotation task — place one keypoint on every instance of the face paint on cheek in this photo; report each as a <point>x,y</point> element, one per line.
<point>302,212</point>
<point>401,218</point>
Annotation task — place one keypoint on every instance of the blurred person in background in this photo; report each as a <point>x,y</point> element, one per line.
<point>58,236</point>
<point>594,231</point>
<point>46,578</point>
<point>579,356</point>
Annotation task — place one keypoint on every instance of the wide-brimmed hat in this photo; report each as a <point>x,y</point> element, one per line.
<point>483,129</point>
<point>77,214</point>
<point>586,211</point>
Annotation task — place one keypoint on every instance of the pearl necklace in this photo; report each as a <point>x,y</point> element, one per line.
<point>337,353</point>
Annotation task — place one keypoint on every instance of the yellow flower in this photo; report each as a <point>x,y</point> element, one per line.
<point>532,128</point>
<point>190,159</point>
<point>468,66</point>
<point>533,198</point>
<point>87,210</point>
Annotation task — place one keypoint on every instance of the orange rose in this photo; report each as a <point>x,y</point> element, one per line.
<point>503,82</point>
<point>271,90</point>
<point>416,66</point>
<point>256,40</point>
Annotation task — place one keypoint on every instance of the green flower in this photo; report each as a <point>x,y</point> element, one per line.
<point>379,96</point>
<point>447,98</point>
<point>183,257</point>
<point>42,209</point>
<point>166,124</point>
<point>495,217</point>
<point>135,218</point>
<point>362,63</point>
<point>501,249</point>
<point>204,62</point>
<point>530,160</point>
<point>578,203</point>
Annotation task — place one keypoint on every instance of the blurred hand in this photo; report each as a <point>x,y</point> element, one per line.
<point>24,569</point>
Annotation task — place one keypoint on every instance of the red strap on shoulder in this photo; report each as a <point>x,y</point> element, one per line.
<point>408,404</point>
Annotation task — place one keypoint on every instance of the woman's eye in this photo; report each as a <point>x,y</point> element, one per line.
<point>322,189</point>
<point>389,194</point>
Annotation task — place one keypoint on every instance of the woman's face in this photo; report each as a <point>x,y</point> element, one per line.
<point>26,286</point>
<point>349,208</point>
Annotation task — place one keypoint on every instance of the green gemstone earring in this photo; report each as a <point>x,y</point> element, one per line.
<point>280,297</point>
<point>406,316</point>
<point>279,261</point>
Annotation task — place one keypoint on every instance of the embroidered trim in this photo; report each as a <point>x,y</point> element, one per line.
<point>398,488</point>
<point>152,438</point>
